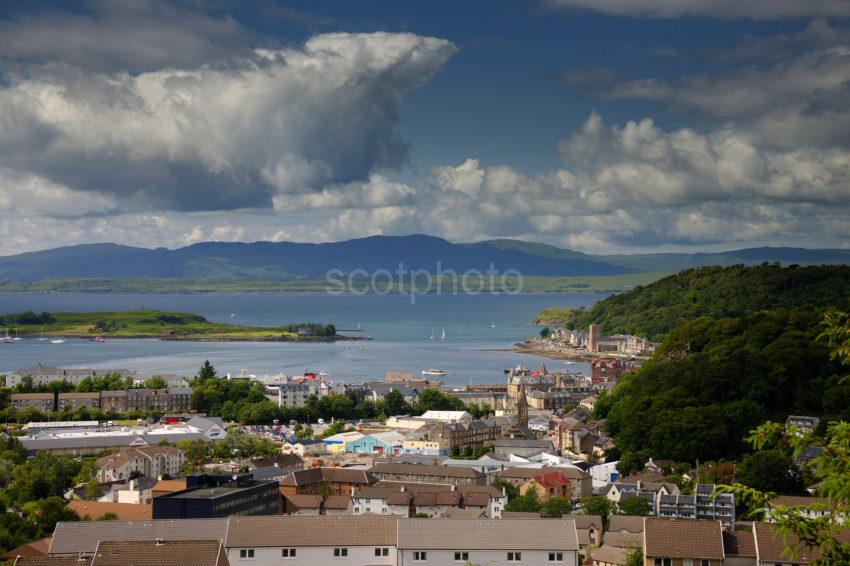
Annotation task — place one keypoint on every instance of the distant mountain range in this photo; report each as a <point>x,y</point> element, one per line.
<point>287,261</point>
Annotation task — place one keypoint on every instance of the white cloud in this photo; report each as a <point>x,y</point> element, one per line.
<point>284,122</point>
<point>723,9</point>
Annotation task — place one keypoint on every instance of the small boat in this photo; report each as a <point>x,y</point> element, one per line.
<point>41,337</point>
<point>58,341</point>
<point>99,340</point>
<point>432,334</point>
<point>493,325</point>
<point>6,338</point>
<point>433,372</point>
<point>443,337</point>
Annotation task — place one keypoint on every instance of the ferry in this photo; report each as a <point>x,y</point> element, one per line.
<point>433,372</point>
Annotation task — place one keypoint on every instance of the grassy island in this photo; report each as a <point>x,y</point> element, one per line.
<point>156,324</point>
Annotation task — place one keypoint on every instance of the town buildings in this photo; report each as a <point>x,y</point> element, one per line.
<point>409,499</point>
<point>149,461</point>
<point>95,438</point>
<point>207,496</point>
<point>344,540</point>
<point>43,375</point>
<point>121,401</point>
<point>428,474</point>
<point>332,481</point>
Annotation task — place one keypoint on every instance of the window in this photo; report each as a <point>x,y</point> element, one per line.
<point>246,553</point>
<point>382,551</point>
<point>340,552</point>
<point>705,562</point>
<point>287,553</point>
<point>556,557</point>
<point>663,562</point>
<point>461,556</point>
<point>515,557</point>
<point>687,562</point>
<point>420,556</point>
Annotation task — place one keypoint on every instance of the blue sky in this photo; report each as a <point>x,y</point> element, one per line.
<point>603,126</point>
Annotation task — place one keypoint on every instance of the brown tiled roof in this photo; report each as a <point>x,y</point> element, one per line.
<point>770,544</point>
<point>50,561</point>
<point>33,548</point>
<point>83,536</point>
<point>682,538</point>
<point>587,521</point>
<point>282,460</point>
<point>625,523</point>
<point>623,539</point>
<point>494,534</point>
<point>521,472</point>
<point>739,543</point>
<point>424,470</point>
<point>796,500</point>
<point>336,475</point>
<point>163,553</point>
<point>466,514</point>
<point>32,396</point>
<point>610,554</point>
<point>304,501</point>
<point>337,502</point>
<point>520,515</point>
<point>123,511</point>
<point>319,530</point>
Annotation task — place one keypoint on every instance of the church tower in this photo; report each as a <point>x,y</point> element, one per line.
<point>522,405</point>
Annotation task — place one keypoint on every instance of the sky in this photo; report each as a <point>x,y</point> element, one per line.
<point>606,126</point>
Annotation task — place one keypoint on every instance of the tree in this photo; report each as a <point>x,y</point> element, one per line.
<point>335,427</point>
<point>305,433</point>
<point>93,489</point>
<point>526,503</point>
<point>635,558</point>
<point>597,505</point>
<point>771,470</point>
<point>544,332</point>
<point>156,382</point>
<point>636,506</point>
<point>394,403</point>
<point>557,507</point>
<point>207,371</point>
<point>504,485</point>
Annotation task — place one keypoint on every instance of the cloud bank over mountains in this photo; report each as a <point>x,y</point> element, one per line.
<point>125,125</point>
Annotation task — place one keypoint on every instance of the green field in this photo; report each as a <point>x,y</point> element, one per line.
<point>154,324</point>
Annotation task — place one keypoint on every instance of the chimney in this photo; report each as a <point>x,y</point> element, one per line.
<point>454,487</point>
<point>159,542</point>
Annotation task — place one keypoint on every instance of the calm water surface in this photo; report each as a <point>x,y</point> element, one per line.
<point>401,334</point>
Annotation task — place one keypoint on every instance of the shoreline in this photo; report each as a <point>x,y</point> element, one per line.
<point>535,347</point>
<point>339,338</point>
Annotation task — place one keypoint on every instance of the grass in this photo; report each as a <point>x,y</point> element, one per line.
<point>150,324</point>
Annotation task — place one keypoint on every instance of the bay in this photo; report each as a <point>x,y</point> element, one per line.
<point>400,332</point>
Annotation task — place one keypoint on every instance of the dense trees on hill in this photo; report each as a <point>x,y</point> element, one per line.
<point>712,381</point>
<point>716,292</point>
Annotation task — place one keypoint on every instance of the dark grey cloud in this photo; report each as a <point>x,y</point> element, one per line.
<point>722,9</point>
<point>123,35</point>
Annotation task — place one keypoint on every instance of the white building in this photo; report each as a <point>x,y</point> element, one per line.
<point>150,461</point>
<point>446,416</point>
<point>346,540</point>
<point>44,375</point>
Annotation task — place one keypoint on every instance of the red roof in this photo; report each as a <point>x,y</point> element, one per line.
<point>552,479</point>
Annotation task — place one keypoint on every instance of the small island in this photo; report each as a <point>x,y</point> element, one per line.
<point>157,324</point>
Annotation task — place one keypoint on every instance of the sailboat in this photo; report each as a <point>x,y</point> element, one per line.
<point>432,334</point>
<point>493,325</point>
<point>17,338</point>
<point>7,339</point>
<point>41,337</point>
<point>443,337</point>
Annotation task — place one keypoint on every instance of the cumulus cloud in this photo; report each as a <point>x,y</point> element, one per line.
<point>723,9</point>
<point>281,122</point>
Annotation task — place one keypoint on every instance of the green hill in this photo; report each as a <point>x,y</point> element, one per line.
<point>153,324</point>
<point>715,292</point>
<point>712,381</point>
